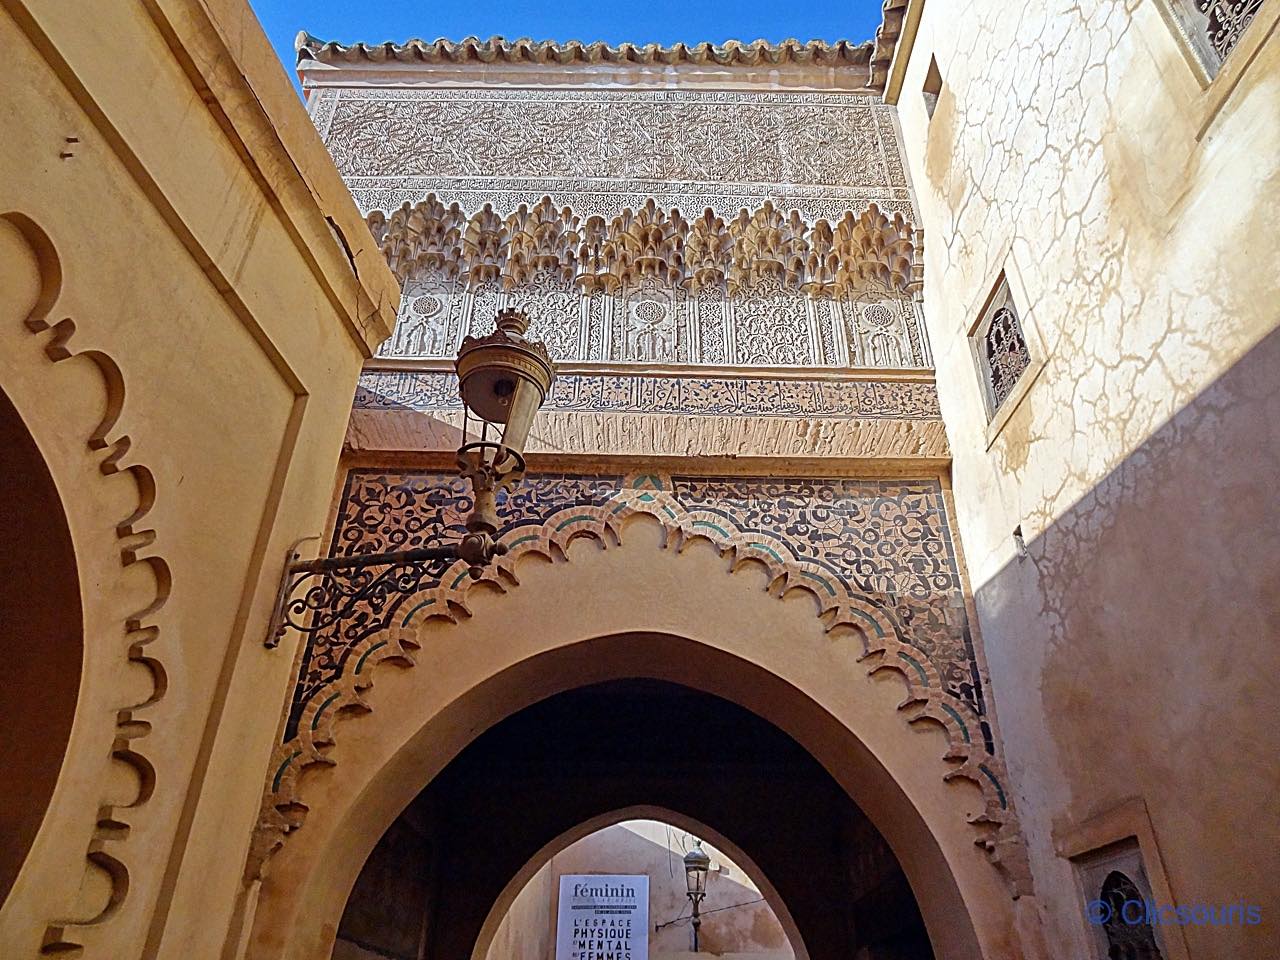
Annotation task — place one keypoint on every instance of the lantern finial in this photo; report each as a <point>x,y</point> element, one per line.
<point>513,322</point>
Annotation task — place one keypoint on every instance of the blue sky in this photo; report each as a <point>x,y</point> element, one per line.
<point>654,21</point>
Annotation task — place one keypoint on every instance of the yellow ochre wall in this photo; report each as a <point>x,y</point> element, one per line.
<point>187,296</point>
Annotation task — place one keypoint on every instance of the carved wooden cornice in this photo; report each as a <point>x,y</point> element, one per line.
<point>872,56</point>
<point>865,252</point>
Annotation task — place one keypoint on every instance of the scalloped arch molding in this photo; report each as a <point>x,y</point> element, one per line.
<point>106,851</point>
<point>843,614</point>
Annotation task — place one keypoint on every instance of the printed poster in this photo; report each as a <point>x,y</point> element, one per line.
<point>603,917</point>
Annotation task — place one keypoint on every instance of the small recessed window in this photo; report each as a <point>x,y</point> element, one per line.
<point>1000,347</point>
<point>1122,909</point>
<point>1211,28</point>
<point>932,87</point>
<point>1118,902</point>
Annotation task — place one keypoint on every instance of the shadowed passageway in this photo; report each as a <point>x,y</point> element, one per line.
<point>529,781</point>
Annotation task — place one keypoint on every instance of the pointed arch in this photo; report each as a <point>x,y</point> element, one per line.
<point>880,641</point>
<point>732,630</point>
<point>640,812</point>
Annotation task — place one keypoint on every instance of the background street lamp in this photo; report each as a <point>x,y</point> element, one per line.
<point>696,866</point>
<point>503,379</point>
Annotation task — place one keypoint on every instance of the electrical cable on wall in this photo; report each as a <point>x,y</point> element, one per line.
<point>706,913</point>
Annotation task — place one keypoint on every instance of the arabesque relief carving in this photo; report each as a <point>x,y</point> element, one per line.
<point>764,288</point>
<point>137,630</point>
<point>685,396</point>
<point>603,150</point>
<point>877,555</point>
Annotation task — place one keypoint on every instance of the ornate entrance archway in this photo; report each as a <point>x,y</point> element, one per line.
<point>638,609</point>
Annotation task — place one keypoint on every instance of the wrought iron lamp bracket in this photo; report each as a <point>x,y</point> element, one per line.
<point>503,379</point>
<point>358,591</point>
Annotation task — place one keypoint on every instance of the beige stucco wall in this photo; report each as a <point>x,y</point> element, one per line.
<point>528,930</point>
<point>344,808</point>
<point>655,850</point>
<point>167,205</point>
<point>1132,650</point>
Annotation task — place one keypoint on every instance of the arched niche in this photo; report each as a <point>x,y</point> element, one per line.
<point>41,639</point>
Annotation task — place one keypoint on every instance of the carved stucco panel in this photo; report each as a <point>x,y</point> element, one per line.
<point>691,396</point>
<point>653,322</point>
<point>772,326</point>
<point>601,151</point>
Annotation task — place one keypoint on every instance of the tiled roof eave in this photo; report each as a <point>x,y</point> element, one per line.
<point>885,45</point>
<point>841,53</point>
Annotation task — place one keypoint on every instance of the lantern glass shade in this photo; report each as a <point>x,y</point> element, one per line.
<point>504,377</point>
<point>696,866</point>
<point>526,398</point>
<point>506,399</point>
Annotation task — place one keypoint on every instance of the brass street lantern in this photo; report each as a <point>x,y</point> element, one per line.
<point>696,866</point>
<point>503,379</point>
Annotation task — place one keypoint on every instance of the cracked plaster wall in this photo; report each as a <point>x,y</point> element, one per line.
<point>1132,652</point>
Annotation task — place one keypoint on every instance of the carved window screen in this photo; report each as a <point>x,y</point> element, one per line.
<point>1001,348</point>
<point>1116,902</point>
<point>1128,934</point>
<point>1212,28</point>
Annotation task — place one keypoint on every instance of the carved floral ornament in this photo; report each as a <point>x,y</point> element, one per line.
<point>870,252</point>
